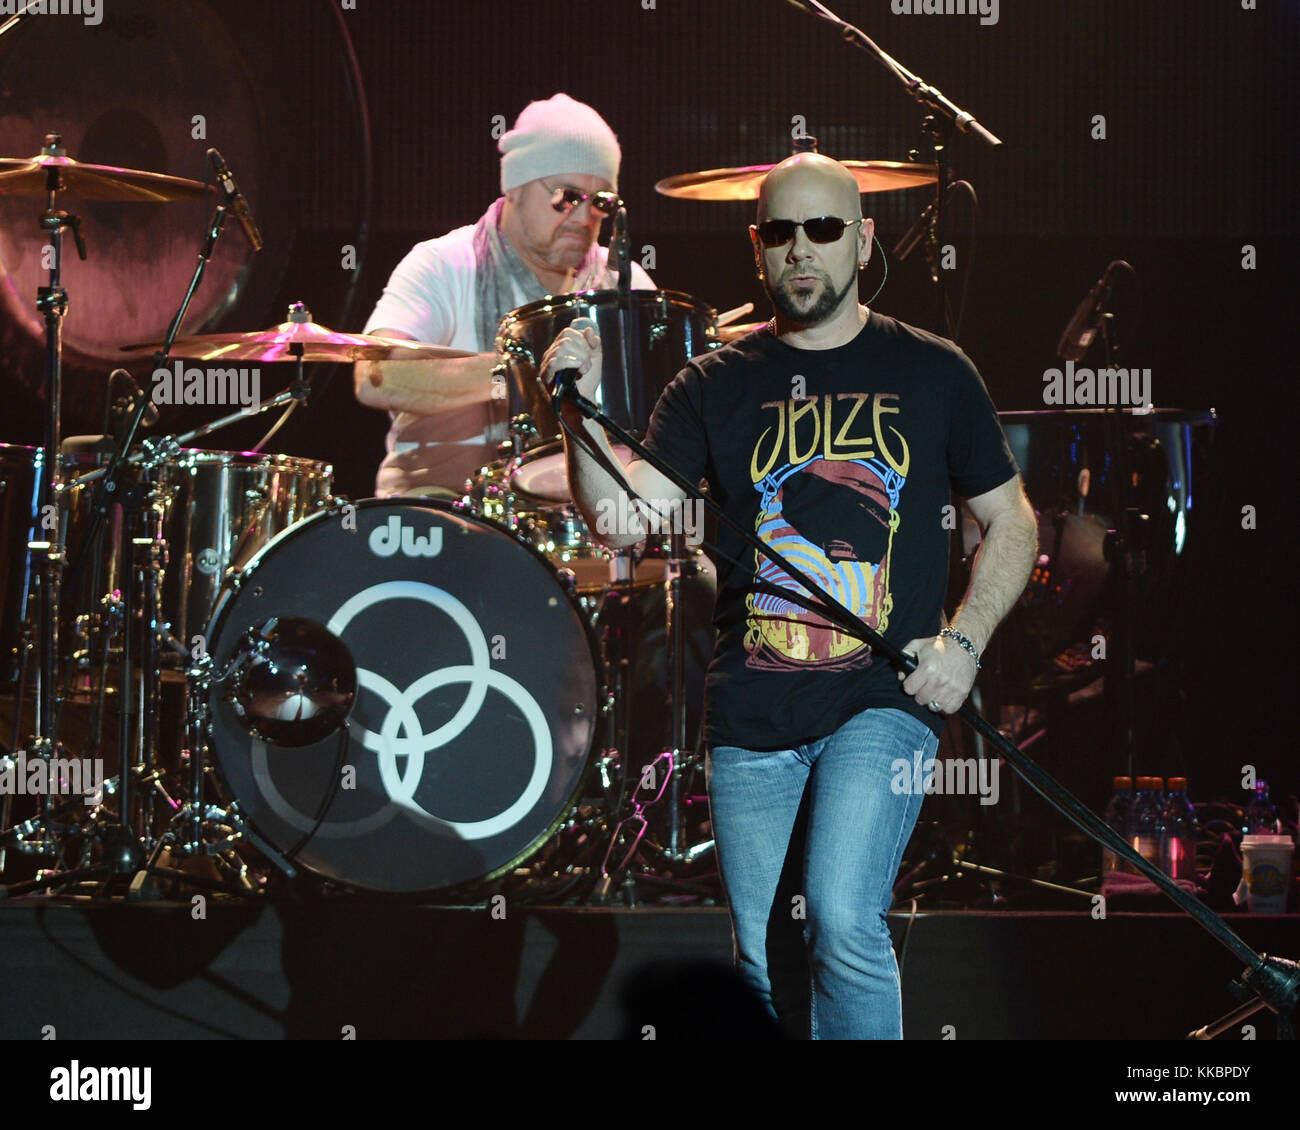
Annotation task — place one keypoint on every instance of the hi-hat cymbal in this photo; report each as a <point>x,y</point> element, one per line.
<point>317,344</point>
<point>30,176</point>
<point>743,183</point>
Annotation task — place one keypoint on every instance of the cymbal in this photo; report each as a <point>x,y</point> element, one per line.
<point>743,183</point>
<point>317,342</point>
<point>29,176</point>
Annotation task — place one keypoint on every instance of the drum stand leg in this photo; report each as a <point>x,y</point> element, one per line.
<point>24,651</point>
<point>186,828</point>
<point>679,761</point>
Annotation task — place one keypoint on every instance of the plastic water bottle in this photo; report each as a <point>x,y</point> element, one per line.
<point>1178,857</point>
<point>1261,817</point>
<point>1117,814</point>
<point>1147,826</point>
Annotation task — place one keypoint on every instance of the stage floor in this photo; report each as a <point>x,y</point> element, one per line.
<point>309,970</point>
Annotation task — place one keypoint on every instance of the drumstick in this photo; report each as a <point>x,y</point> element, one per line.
<point>732,315</point>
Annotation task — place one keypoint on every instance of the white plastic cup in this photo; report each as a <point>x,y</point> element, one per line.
<point>1266,871</point>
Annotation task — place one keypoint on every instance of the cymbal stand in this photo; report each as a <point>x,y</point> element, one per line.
<point>46,547</point>
<point>122,852</point>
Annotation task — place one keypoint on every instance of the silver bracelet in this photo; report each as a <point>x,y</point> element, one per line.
<point>964,644</point>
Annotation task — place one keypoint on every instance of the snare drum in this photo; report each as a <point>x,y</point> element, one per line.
<point>528,495</point>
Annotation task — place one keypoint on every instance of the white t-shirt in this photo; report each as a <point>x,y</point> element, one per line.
<point>431,296</point>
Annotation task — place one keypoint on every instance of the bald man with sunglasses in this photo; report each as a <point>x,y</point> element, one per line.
<point>559,178</point>
<point>837,434</point>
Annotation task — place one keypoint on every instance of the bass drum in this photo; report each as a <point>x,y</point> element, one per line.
<point>477,698</point>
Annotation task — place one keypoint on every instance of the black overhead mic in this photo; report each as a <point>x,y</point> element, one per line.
<point>1079,334</point>
<point>235,199</point>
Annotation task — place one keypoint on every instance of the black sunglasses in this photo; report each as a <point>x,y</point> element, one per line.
<point>824,229</point>
<point>565,200</point>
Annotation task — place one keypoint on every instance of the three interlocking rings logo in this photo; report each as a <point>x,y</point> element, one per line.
<point>399,742</point>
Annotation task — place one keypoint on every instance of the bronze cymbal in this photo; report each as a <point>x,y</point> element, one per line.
<point>30,177</point>
<point>317,342</point>
<point>743,183</point>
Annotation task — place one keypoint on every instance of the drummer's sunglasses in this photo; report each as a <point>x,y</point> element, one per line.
<point>565,200</point>
<point>824,229</point>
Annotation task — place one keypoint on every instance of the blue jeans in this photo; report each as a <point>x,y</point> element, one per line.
<point>819,821</point>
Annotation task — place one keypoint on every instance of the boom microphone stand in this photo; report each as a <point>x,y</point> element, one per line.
<point>942,117</point>
<point>1273,982</point>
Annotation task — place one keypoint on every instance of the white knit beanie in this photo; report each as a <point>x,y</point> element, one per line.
<point>557,136</point>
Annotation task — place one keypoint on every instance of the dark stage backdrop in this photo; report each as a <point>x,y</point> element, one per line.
<point>1198,161</point>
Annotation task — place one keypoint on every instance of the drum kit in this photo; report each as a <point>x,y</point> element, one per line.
<point>418,696</point>
<point>336,720</point>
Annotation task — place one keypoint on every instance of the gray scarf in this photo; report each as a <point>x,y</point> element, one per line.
<point>499,272</point>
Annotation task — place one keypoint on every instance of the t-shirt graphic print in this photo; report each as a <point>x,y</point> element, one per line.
<point>829,485</point>
<point>843,460</point>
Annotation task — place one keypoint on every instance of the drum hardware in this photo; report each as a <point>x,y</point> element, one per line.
<point>45,176</point>
<point>293,683</point>
<point>122,849</point>
<point>145,558</point>
<point>674,763</point>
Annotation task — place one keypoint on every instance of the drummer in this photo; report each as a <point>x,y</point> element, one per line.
<point>559,179</point>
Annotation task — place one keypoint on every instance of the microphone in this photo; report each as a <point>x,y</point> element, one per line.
<point>914,235</point>
<point>235,199</point>
<point>565,383</point>
<point>150,414</point>
<point>1081,331</point>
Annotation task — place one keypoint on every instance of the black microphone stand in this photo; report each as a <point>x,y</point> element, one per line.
<point>1273,982</point>
<point>942,117</point>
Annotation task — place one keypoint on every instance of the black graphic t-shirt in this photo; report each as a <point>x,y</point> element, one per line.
<point>841,459</point>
